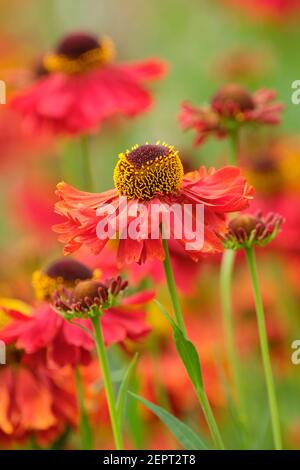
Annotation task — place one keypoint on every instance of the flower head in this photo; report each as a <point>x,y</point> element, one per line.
<point>81,87</point>
<point>231,107</point>
<point>277,10</point>
<point>34,400</point>
<point>55,342</point>
<point>79,52</point>
<point>88,298</point>
<point>60,273</point>
<point>152,175</point>
<point>148,170</point>
<point>247,230</point>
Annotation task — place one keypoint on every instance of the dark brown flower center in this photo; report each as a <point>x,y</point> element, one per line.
<point>146,153</point>
<point>232,98</point>
<point>69,270</point>
<point>74,45</point>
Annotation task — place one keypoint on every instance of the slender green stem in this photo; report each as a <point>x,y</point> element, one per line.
<point>201,395</point>
<point>172,287</point>
<point>87,177</point>
<point>85,428</point>
<point>101,352</point>
<point>210,419</point>
<point>225,294</point>
<point>265,349</point>
<point>234,147</point>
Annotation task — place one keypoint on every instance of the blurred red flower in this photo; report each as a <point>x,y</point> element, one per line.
<point>232,106</point>
<point>34,401</point>
<point>57,342</point>
<point>273,9</point>
<point>81,87</point>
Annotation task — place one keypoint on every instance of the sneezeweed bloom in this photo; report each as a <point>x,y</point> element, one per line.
<point>278,10</point>
<point>81,87</point>
<point>33,401</point>
<point>33,404</point>
<point>97,302</point>
<point>151,174</point>
<point>229,109</point>
<point>248,230</point>
<point>57,342</point>
<point>88,298</point>
<point>151,177</point>
<point>58,274</point>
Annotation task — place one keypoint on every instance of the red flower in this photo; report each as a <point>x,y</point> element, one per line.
<point>232,106</point>
<point>50,337</point>
<point>152,174</point>
<point>82,88</point>
<point>33,401</point>
<point>288,206</point>
<point>273,9</point>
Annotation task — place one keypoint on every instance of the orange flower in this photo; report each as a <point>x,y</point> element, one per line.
<point>153,175</point>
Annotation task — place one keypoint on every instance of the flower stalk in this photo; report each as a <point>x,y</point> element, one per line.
<point>87,178</point>
<point>201,395</point>
<point>264,349</point>
<point>103,361</point>
<point>85,428</point>
<point>226,301</point>
<point>226,272</point>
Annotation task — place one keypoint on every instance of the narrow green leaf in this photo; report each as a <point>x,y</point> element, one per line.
<point>186,350</point>
<point>190,358</point>
<point>122,394</point>
<point>183,433</point>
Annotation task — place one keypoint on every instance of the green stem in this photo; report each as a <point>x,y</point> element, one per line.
<point>234,147</point>
<point>201,395</point>
<point>225,294</point>
<point>265,349</point>
<point>210,419</point>
<point>101,352</point>
<point>87,178</point>
<point>85,428</point>
<point>172,287</point>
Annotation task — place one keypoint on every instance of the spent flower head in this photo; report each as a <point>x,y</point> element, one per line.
<point>89,298</point>
<point>248,230</point>
<point>231,107</point>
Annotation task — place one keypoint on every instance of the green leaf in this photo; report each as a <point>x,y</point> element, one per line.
<point>190,358</point>
<point>122,394</point>
<point>186,350</point>
<point>183,433</point>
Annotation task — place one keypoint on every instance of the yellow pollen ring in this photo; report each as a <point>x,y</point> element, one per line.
<point>44,286</point>
<point>85,62</point>
<point>159,176</point>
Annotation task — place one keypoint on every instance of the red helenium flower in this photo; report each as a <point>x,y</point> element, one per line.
<point>58,342</point>
<point>152,174</point>
<point>33,402</point>
<point>273,9</point>
<point>82,87</point>
<point>232,106</point>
